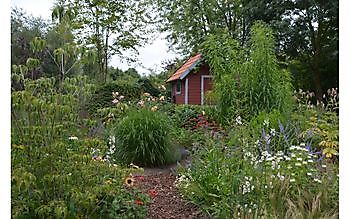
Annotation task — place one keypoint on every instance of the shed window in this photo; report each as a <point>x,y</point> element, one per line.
<point>178,87</point>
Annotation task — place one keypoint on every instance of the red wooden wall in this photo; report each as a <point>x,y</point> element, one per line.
<point>194,86</point>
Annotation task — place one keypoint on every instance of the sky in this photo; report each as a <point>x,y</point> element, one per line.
<point>150,56</point>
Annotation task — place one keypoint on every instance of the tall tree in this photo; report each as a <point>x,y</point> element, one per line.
<point>306,31</point>
<point>189,22</point>
<point>110,26</point>
<point>311,36</point>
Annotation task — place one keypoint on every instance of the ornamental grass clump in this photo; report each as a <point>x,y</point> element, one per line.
<point>143,138</point>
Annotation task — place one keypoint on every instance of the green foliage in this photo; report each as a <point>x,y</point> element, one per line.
<point>54,173</point>
<point>247,86</point>
<point>306,32</point>
<point>143,138</point>
<point>200,19</point>
<point>267,86</point>
<point>183,113</point>
<point>129,205</point>
<point>265,183</point>
<point>40,114</point>
<point>320,122</point>
<point>147,86</point>
<point>102,97</point>
<point>101,22</point>
<point>62,180</point>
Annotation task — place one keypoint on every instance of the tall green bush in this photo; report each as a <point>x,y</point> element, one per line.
<point>267,86</point>
<point>247,81</point>
<point>225,57</point>
<point>142,137</point>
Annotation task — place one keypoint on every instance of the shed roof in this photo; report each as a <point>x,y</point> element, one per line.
<point>183,71</point>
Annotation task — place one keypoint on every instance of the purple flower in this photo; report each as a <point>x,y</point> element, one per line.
<point>280,126</point>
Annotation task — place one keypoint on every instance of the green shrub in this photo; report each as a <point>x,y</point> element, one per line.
<point>102,97</point>
<point>230,181</point>
<point>147,86</point>
<point>183,113</point>
<point>247,82</point>
<point>42,120</point>
<point>266,85</point>
<point>63,180</point>
<point>142,137</point>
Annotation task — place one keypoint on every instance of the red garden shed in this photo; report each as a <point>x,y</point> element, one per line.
<point>190,82</point>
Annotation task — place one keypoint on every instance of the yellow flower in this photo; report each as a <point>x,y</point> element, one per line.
<point>19,146</point>
<point>329,152</point>
<point>154,108</point>
<point>129,181</point>
<point>108,182</point>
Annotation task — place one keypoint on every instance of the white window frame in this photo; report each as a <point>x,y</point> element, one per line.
<point>202,86</point>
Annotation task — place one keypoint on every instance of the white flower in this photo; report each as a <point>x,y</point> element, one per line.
<point>73,138</point>
<point>299,159</point>
<point>298,164</point>
<point>265,153</point>
<point>162,98</point>
<point>121,97</point>
<point>292,180</point>
<point>309,174</point>
<point>115,94</point>
<point>141,103</point>
<point>273,132</point>
<point>304,162</point>
<point>115,101</point>
<point>324,166</point>
<point>239,120</point>
<point>266,122</point>
<point>317,180</point>
<point>310,161</point>
<point>293,155</point>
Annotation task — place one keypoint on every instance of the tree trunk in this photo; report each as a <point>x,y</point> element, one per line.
<point>62,68</point>
<point>106,56</point>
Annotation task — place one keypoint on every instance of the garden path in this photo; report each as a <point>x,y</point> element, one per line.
<point>167,201</point>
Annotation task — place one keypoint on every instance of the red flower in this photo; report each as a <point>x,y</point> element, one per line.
<point>153,193</point>
<point>138,202</point>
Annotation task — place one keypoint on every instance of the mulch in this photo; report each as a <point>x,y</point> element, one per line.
<point>166,201</point>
